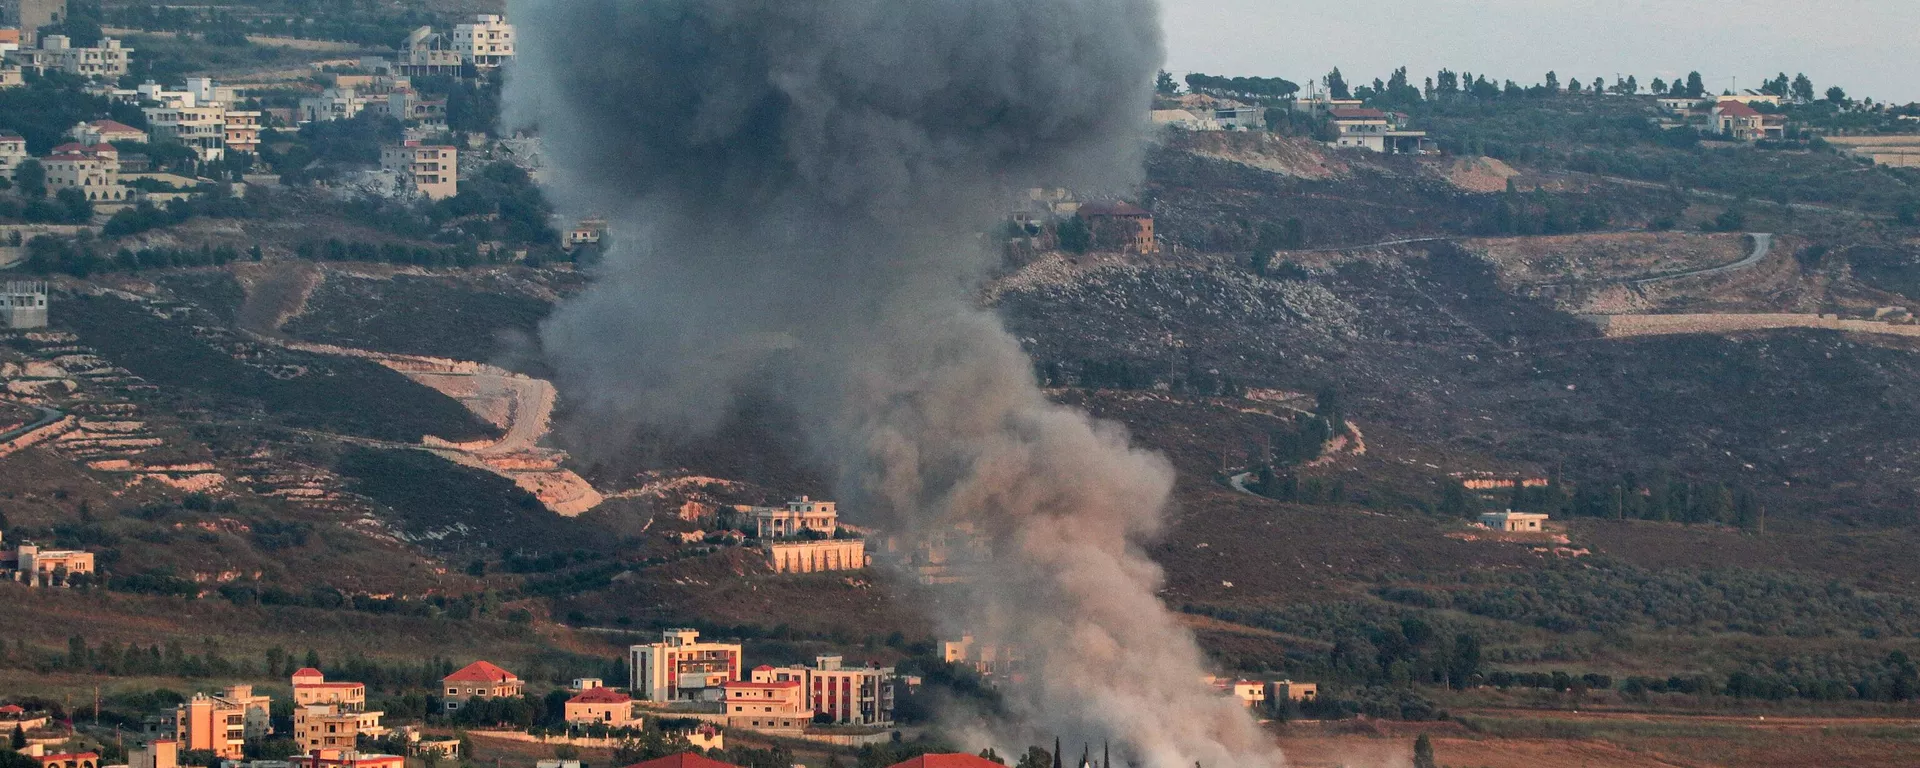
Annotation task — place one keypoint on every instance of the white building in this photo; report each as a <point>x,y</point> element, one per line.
<point>681,668</point>
<point>427,52</point>
<point>331,104</point>
<point>13,152</point>
<point>23,304</point>
<point>1184,119</point>
<point>93,170</point>
<point>849,695</point>
<point>1377,131</point>
<point>1514,522</point>
<point>427,169</point>
<point>485,42</point>
<point>202,127</point>
<point>802,514</point>
<point>1240,117</point>
<point>56,53</point>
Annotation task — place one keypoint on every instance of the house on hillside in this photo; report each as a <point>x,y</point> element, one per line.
<point>1183,119</point>
<point>1514,522</point>
<point>682,668</point>
<point>105,132</point>
<point>838,693</point>
<point>1235,116</point>
<point>771,707</point>
<point>480,680</point>
<point>601,705</point>
<point>1377,131</point>
<point>1737,121</point>
<point>1119,226</point>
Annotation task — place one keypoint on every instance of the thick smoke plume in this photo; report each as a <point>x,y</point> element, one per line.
<point>798,190</point>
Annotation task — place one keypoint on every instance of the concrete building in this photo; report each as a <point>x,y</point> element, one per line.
<point>681,668</point>
<point>13,152</point>
<point>334,103</point>
<point>94,170</point>
<point>206,91</point>
<point>430,170</point>
<point>11,76</point>
<point>1737,121</point>
<point>201,127</point>
<point>68,760</point>
<point>1376,131</point>
<point>601,705</point>
<point>773,707</point>
<point>1183,119</point>
<point>310,688</point>
<point>817,556</point>
<point>848,695</point>
<point>802,514</point>
<point>988,659</point>
<point>105,132</point>
<point>1240,117</point>
<point>486,42</point>
<point>243,131</point>
<point>1514,522</point>
<point>107,59</point>
<point>329,726</point>
<point>1288,690</point>
<point>28,562</point>
<point>587,683</point>
<point>346,758</point>
<point>1119,226</point>
<point>159,753</point>
<point>478,680</point>
<point>426,52</point>
<point>30,15</point>
<point>214,725</point>
<point>1251,694</point>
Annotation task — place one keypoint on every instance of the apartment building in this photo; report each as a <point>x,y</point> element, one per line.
<point>107,59</point>
<point>328,726</point>
<point>201,127</point>
<point>485,42</point>
<point>310,688</point>
<point>207,723</point>
<point>848,695</point>
<point>243,131</point>
<point>430,170</point>
<point>776,706</point>
<point>94,170</point>
<point>680,667</point>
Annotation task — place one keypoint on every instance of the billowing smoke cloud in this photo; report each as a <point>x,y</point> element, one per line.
<point>798,190</point>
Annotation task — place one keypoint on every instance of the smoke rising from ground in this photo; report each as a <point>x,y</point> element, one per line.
<point>797,192</point>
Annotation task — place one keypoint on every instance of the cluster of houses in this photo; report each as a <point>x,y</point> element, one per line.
<point>1729,116</point>
<point>1354,125</point>
<point>693,675</point>
<point>23,48</point>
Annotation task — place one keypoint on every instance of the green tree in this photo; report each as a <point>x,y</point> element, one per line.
<point>1696,87</point>
<point>31,178</point>
<point>1803,89</point>
<point>1337,85</point>
<point>19,739</point>
<point>1165,85</point>
<point>1659,86</point>
<point>1553,82</point>
<point>1837,95</point>
<point>1075,235</point>
<point>1423,753</point>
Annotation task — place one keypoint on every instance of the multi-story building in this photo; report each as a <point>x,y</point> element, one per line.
<point>848,695</point>
<point>243,131</point>
<point>68,760</point>
<point>1378,131</point>
<point>159,753</point>
<point>329,726</point>
<point>346,758</point>
<point>13,152</point>
<point>481,680</point>
<point>601,705</point>
<point>108,59</point>
<point>334,103</point>
<point>201,127</point>
<point>1288,690</point>
<point>680,667</point>
<point>1119,226</point>
<point>802,514</point>
<point>485,42</point>
<point>310,687</point>
<point>986,658</point>
<point>206,91</point>
<point>777,706</point>
<point>206,723</point>
<point>427,52</point>
<point>94,170</point>
<point>430,170</point>
<point>30,15</point>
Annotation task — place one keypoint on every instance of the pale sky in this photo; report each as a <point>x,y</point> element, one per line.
<point>1869,47</point>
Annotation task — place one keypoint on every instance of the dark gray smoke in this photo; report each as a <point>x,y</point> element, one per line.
<point>798,189</point>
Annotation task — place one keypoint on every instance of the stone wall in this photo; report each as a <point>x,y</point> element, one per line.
<point>815,556</point>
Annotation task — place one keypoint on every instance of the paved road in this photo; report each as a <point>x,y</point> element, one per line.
<point>1762,245</point>
<point>47,416</point>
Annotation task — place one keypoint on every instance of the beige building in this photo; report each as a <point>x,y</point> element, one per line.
<point>30,15</point>
<point>108,59</point>
<point>480,679</point>
<point>427,52</point>
<point>94,170</point>
<point>485,42</point>
<point>601,705</point>
<point>800,515</point>
<point>202,127</point>
<point>29,563</point>
<point>772,707</point>
<point>159,753</point>
<point>205,723</point>
<point>328,726</point>
<point>986,658</point>
<point>680,667</point>
<point>310,687</point>
<point>430,170</point>
<point>243,131</point>
<point>817,556</point>
<point>105,132</point>
<point>1514,522</point>
<point>847,695</point>
<point>13,152</point>
<point>1288,690</point>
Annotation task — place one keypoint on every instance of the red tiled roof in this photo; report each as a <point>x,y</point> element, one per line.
<point>71,146</point>
<point>600,696</point>
<point>764,668</point>
<point>12,709</point>
<point>114,126</point>
<point>1358,113</point>
<point>1737,109</point>
<point>1112,209</point>
<point>69,756</point>
<point>481,672</point>
<point>949,760</point>
<point>683,760</point>
<point>307,672</point>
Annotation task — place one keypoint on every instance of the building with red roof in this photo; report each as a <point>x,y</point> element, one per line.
<point>685,760</point>
<point>601,705</point>
<point>1736,120</point>
<point>947,760</point>
<point>480,679</point>
<point>1119,226</point>
<point>106,132</point>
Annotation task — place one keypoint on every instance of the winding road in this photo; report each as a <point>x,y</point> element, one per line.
<point>1762,245</point>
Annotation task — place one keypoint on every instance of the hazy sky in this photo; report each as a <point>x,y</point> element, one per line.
<point>1869,47</point>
